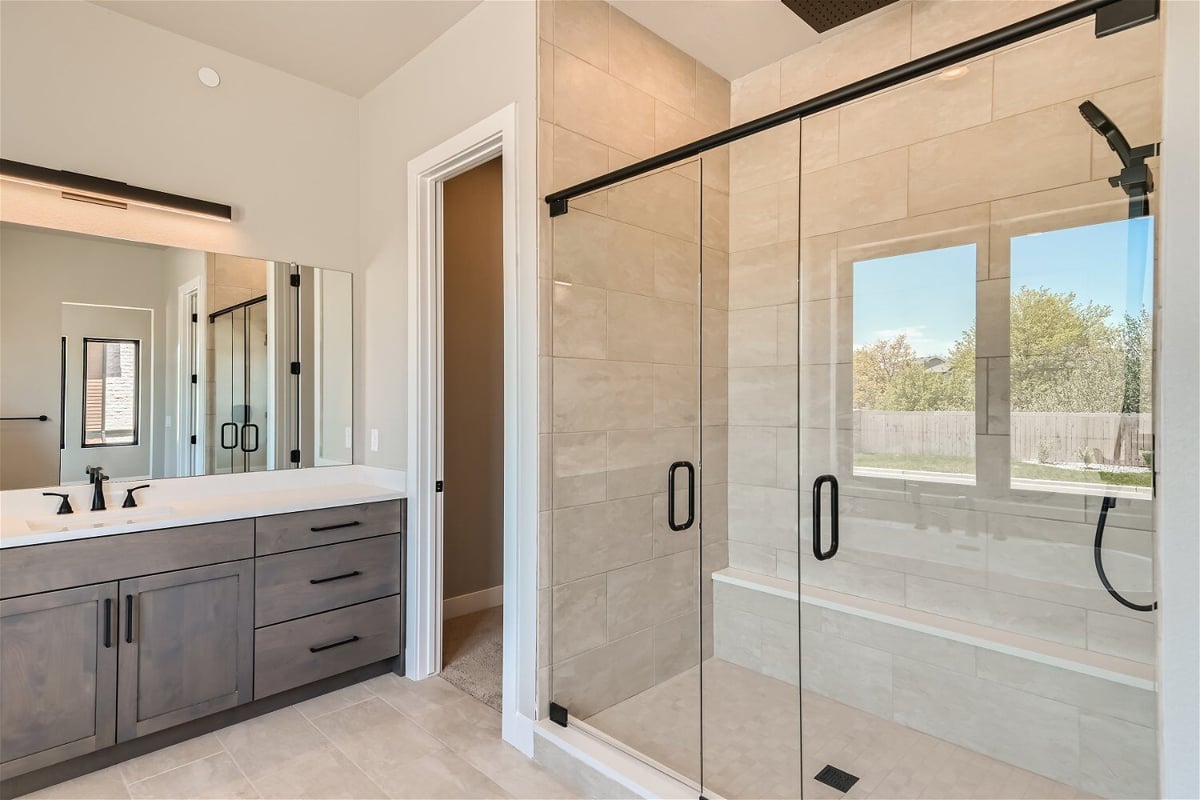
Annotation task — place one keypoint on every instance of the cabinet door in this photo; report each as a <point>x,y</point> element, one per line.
<point>186,645</point>
<point>58,676</point>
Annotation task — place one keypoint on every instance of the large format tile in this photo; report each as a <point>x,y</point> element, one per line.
<point>989,718</point>
<point>1045,620</point>
<point>592,103</point>
<point>1073,63</point>
<point>643,59</point>
<point>646,594</point>
<point>580,616</point>
<point>605,676</point>
<point>594,395</point>
<point>151,764</point>
<point>216,776</point>
<point>324,774</point>
<point>266,743</point>
<point>1117,758</point>
<point>596,538</point>
<point>1015,155</point>
<point>377,738</point>
<point>105,784</point>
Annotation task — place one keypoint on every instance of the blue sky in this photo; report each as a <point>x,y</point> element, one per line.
<point>930,296</point>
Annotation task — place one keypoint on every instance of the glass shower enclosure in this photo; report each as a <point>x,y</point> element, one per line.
<point>852,447</point>
<point>240,380</point>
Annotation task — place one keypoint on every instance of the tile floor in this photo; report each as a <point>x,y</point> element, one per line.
<point>751,746</point>
<point>384,738</point>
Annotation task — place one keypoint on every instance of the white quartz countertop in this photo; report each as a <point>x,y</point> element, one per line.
<point>179,509</point>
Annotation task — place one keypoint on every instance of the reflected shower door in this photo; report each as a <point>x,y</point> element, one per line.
<point>254,427</point>
<point>223,369</point>
<point>623,593</point>
<point>975,341</point>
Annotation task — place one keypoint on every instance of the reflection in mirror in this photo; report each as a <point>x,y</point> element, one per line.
<point>157,362</point>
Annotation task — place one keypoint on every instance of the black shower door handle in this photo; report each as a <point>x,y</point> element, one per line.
<point>818,552</point>
<point>247,427</point>
<point>691,517</point>
<point>224,427</point>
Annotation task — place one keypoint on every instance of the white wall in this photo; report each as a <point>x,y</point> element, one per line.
<point>89,90</point>
<point>482,64</point>
<point>1178,509</point>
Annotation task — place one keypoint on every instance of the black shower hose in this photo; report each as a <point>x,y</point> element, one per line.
<point>1105,505</point>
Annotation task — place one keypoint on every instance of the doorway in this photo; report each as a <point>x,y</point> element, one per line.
<point>473,435</point>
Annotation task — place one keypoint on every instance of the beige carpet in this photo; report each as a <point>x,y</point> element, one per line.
<point>472,654</point>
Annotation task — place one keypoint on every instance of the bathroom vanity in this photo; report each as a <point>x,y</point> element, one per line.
<point>114,633</point>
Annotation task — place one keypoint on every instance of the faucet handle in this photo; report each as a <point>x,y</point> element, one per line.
<point>130,502</point>
<point>65,506</point>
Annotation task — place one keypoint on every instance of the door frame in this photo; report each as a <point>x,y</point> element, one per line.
<point>493,136</point>
<point>191,463</point>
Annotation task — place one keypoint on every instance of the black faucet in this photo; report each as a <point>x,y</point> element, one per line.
<point>97,479</point>
<point>64,507</point>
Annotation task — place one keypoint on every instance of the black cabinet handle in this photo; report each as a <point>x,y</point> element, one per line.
<point>335,527</point>
<point>249,426</point>
<point>224,426</point>
<point>338,643</point>
<point>128,619</point>
<point>691,517</point>
<point>354,574</point>
<point>833,517</point>
<point>108,622</point>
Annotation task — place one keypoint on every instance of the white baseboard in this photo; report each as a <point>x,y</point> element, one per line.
<point>475,601</point>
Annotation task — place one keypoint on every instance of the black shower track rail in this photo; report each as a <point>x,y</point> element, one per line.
<point>1121,14</point>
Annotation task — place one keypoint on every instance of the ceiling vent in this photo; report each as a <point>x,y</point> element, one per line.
<point>821,15</point>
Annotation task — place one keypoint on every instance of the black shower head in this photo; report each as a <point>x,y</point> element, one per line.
<point>1104,126</point>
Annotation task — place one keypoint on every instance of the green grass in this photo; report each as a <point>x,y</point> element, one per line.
<point>965,465</point>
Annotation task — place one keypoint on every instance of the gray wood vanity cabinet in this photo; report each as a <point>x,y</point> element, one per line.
<point>107,639</point>
<point>58,676</point>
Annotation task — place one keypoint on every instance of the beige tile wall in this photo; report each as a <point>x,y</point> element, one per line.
<point>620,365</point>
<point>995,152</point>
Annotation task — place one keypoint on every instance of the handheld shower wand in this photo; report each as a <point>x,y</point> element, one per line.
<point>1137,182</point>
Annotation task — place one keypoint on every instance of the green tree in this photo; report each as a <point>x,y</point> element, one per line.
<point>876,365</point>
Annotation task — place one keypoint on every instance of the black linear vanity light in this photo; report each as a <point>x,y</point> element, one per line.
<point>105,192</point>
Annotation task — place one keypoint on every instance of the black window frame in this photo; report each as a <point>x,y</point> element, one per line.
<point>137,395</point>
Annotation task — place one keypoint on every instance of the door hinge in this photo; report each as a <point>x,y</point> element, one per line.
<point>193,377</point>
<point>294,280</point>
<point>437,486</point>
<point>295,457</point>
<point>193,437</point>
<point>558,714</point>
<point>295,367</point>
<point>195,318</point>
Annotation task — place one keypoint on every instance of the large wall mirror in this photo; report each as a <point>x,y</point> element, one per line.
<point>158,362</point>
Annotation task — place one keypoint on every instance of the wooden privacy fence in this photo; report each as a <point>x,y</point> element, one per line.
<point>1036,436</point>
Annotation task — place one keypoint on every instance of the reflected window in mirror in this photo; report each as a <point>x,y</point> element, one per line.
<point>110,392</point>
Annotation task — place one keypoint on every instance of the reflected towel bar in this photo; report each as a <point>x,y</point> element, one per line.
<point>40,418</point>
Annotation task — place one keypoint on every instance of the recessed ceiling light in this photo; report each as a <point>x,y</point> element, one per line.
<point>952,73</point>
<point>209,77</point>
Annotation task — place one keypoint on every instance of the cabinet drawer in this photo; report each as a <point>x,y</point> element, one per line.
<point>45,567</point>
<point>301,529</point>
<point>303,582</point>
<point>305,650</point>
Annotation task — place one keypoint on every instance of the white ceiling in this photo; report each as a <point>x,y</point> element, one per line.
<point>347,45</point>
<point>733,37</point>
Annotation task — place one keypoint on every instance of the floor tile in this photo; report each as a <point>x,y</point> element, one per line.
<point>335,700</point>
<point>268,742</point>
<point>185,752</point>
<point>105,784</point>
<point>441,775</point>
<point>322,774</point>
<point>216,776</point>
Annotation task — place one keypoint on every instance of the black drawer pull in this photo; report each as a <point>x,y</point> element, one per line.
<point>128,619</point>
<point>320,528</point>
<point>338,643</point>
<point>108,622</point>
<point>354,574</point>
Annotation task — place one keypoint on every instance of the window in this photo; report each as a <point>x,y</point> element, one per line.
<point>1081,341</point>
<point>110,392</point>
<point>914,365</point>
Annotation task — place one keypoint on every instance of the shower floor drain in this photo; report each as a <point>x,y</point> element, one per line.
<point>838,779</point>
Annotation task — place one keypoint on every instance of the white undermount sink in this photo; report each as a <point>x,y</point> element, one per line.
<point>98,519</point>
